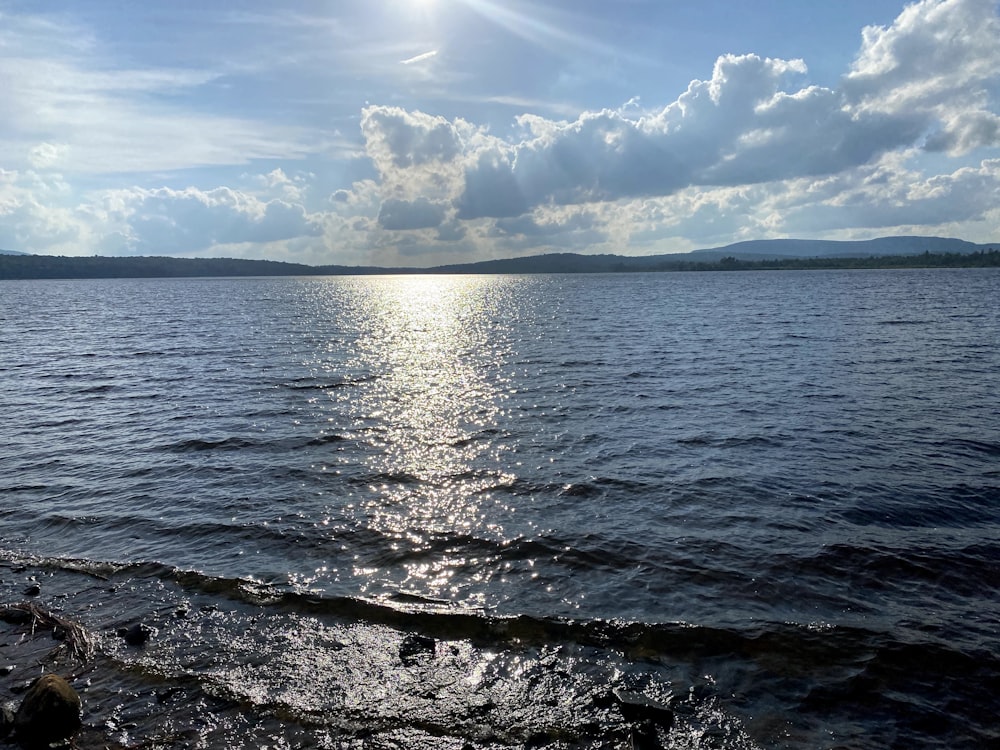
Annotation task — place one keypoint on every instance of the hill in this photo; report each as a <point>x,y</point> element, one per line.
<point>886,252</point>
<point>882,246</point>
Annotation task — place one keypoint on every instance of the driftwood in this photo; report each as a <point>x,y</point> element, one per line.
<point>73,635</point>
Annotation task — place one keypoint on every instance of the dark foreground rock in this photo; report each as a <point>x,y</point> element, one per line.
<point>50,713</point>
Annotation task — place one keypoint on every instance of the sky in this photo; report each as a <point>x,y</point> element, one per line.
<point>422,132</point>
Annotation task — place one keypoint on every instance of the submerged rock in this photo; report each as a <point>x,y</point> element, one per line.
<point>49,714</point>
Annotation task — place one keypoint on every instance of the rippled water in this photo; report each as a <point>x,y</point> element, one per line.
<point>772,496</point>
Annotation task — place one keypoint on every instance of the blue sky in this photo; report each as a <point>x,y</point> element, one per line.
<point>417,132</point>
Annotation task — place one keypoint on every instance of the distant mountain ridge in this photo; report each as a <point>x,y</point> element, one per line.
<point>750,250</point>
<point>881,246</point>
<point>884,252</point>
<point>10,252</point>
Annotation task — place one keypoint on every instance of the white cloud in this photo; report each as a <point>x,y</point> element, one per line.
<point>925,81</point>
<point>182,222</point>
<point>905,141</point>
<point>34,216</point>
<point>419,58</point>
<point>939,59</point>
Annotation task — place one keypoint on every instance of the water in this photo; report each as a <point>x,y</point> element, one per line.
<point>457,511</point>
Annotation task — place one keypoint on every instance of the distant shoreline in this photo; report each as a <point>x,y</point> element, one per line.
<point>28,267</point>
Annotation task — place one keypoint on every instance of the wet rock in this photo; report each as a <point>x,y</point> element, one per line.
<point>414,646</point>
<point>15,615</point>
<point>137,634</point>
<point>33,589</point>
<point>49,714</point>
<point>6,669</point>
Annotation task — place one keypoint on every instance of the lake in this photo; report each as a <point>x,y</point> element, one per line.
<point>477,511</point>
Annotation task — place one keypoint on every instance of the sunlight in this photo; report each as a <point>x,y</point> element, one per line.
<point>432,416</point>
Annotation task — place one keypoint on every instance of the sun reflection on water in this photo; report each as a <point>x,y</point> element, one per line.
<point>430,417</point>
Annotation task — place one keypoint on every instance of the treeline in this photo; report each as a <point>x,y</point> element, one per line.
<point>100,267</point>
<point>979,259</point>
<point>139,267</point>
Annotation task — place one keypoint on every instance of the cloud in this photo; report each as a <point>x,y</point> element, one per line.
<point>886,198</point>
<point>742,126</point>
<point>900,142</point>
<point>99,120</point>
<point>418,214</point>
<point>419,58</point>
<point>46,155</point>
<point>939,59</point>
<point>34,217</point>
<point>397,139</point>
<point>166,221</point>
<point>927,81</point>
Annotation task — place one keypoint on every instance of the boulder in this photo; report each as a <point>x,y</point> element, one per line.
<point>49,714</point>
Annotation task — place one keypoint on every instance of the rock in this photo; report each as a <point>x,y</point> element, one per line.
<point>15,616</point>
<point>6,669</point>
<point>413,646</point>
<point>33,590</point>
<point>49,714</point>
<point>137,635</point>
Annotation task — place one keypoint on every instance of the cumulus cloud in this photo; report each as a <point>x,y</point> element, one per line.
<point>939,59</point>
<point>418,214</point>
<point>741,126</point>
<point>186,221</point>
<point>751,149</point>
<point>34,216</point>
<point>902,198</point>
<point>398,139</point>
<point>922,82</point>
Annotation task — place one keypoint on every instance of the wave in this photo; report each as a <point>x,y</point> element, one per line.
<point>822,674</point>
